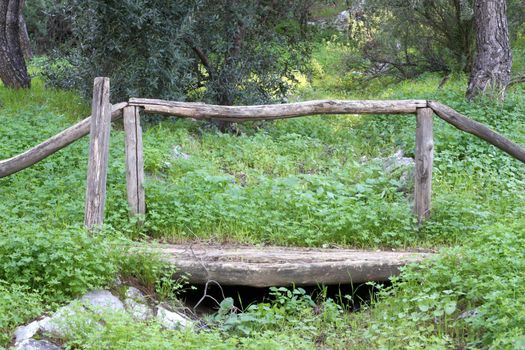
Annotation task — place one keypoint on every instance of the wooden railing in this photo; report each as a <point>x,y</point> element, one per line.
<point>99,123</point>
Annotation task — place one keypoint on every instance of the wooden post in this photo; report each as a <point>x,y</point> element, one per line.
<point>134,161</point>
<point>424,160</point>
<point>98,154</point>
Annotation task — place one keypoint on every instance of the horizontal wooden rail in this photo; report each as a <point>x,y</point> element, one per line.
<point>263,112</point>
<point>276,111</point>
<point>473,127</point>
<point>52,145</point>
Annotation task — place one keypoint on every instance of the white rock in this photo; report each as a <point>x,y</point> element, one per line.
<point>178,154</point>
<point>172,320</point>
<point>102,299</point>
<point>138,310</point>
<point>32,344</point>
<point>135,294</point>
<point>56,325</point>
<point>25,332</point>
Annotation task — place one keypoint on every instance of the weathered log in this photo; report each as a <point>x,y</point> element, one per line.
<point>98,154</point>
<point>275,111</point>
<point>279,266</point>
<point>424,160</point>
<point>134,161</point>
<point>473,127</point>
<point>45,149</point>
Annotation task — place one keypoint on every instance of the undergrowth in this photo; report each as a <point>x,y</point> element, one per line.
<point>308,181</point>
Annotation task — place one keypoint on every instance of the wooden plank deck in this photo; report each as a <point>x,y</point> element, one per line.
<point>279,266</point>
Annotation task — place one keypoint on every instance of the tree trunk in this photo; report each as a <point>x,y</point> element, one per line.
<point>24,35</point>
<point>490,74</point>
<point>13,71</point>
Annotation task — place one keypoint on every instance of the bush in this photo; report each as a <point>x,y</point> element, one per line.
<point>18,304</point>
<point>58,264</point>
<point>217,51</point>
<point>467,297</point>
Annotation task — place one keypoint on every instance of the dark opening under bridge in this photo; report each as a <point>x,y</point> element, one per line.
<point>264,266</point>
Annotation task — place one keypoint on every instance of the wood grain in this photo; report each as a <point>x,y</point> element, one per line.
<point>134,161</point>
<point>424,160</point>
<point>473,127</point>
<point>282,266</point>
<point>98,154</point>
<point>276,111</point>
<point>45,149</point>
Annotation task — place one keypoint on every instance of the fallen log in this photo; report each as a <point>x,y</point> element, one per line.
<point>275,111</point>
<point>278,266</point>
<point>473,127</point>
<point>52,145</point>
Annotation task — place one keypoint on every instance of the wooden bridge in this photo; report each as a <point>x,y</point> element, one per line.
<point>242,265</point>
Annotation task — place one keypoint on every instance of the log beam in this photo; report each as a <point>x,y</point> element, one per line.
<point>98,154</point>
<point>477,129</point>
<point>283,266</point>
<point>276,111</point>
<point>56,143</point>
<point>424,160</point>
<point>134,161</point>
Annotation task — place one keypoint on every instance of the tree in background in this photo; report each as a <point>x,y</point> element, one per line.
<point>491,72</point>
<point>13,70</point>
<point>217,51</point>
<point>406,38</point>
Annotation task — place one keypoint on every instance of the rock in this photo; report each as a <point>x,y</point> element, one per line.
<point>56,325</point>
<point>178,154</point>
<point>137,310</point>
<point>172,320</point>
<point>396,161</point>
<point>25,332</point>
<point>135,294</point>
<point>342,20</point>
<point>137,304</point>
<point>102,299</point>
<point>32,344</point>
<point>469,313</point>
<point>97,301</point>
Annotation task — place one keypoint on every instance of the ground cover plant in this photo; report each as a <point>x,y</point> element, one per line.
<point>311,181</point>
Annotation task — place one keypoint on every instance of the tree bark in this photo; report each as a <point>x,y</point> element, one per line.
<point>490,74</point>
<point>13,70</point>
<point>24,35</point>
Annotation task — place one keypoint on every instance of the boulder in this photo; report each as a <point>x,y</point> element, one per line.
<point>32,344</point>
<point>102,300</point>
<point>172,320</point>
<point>137,304</point>
<point>26,332</point>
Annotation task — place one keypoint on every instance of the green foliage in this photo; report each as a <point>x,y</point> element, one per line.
<point>18,304</point>
<point>218,51</point>
<point>56,263</point>
<point>291,320</point>
<point>468,297</point>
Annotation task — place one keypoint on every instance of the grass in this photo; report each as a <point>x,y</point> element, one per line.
<point>307,181</point>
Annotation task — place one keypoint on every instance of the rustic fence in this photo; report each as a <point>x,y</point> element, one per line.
<point>98,125</point>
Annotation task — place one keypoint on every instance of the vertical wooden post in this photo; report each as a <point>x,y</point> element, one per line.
<point>424,160</point>
<point>98,154</point>
<point>134,161</point>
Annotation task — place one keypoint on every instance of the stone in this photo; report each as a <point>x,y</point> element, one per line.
<point>172,320</point>
<point>138,310</point>
<point>178,154</point>
<point>25,332</point>
<point>137,304</point>
<point>56,325</point>
<point>102,300</point>
<point>135,294</point>
<point>342,20</point>
<point>396,161</point>
<point>32,344</point>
